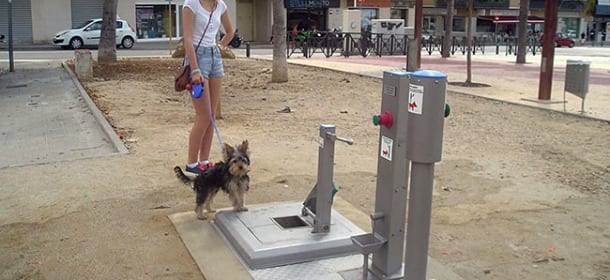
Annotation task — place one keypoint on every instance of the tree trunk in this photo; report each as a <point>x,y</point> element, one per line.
<point>522,39</point>
<point>107,48</point>
<point>279,72</point>
<point>448,30</point>
<point>469,43</point>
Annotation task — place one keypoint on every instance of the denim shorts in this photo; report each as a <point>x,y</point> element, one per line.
<point>210,62</point>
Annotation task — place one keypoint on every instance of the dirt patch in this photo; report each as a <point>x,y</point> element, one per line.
<point>520,193</point>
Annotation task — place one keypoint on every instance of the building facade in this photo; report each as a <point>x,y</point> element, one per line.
<point>36,21</point>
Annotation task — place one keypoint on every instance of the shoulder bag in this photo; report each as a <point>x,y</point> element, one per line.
<point>183,75</point>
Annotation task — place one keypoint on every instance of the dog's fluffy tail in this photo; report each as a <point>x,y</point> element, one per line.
<point>185,179</point>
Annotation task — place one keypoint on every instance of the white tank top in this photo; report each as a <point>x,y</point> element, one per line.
<point>201,19</point>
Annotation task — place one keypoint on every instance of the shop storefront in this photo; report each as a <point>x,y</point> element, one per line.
<point>309,14</point>
<point>158,20</point>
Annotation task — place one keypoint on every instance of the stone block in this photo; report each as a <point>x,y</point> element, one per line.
<point>83,64</point>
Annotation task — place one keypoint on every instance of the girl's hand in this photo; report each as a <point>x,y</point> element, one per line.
<point>196,78</point>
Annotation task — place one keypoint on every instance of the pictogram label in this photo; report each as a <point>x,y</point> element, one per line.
<point>386,147</point>
<point>416,98</point>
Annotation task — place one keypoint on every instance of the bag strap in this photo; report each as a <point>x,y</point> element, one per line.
<point>201,39</point>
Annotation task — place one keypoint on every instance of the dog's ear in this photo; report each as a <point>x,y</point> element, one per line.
<point>228,151</point>
<point>243,147</point>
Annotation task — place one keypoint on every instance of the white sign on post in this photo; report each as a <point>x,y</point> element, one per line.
<point>386,147</point>
<point>416,98</point>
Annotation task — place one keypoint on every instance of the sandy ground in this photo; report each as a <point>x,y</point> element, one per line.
<point>520,193</point>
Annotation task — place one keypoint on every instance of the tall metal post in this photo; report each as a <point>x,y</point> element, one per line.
<point>548,50</point>
<point>424,140</point>
<point>10,36</point>
<point>392,176</point>
<point>169,5</point>
<point>419,21</point>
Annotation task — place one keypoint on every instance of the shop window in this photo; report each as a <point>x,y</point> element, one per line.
<point>306,19</point>
<point>367,16</point>
<point>399,14</point>
<point>459,24</point>
<point>429,25</point>
<point>569,26</point>
<point>153,21</point>
<point>485,26</point>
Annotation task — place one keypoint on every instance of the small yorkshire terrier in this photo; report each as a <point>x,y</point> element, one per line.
<point>229,175</point>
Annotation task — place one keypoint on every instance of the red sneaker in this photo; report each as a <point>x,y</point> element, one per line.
<point>199,168</point>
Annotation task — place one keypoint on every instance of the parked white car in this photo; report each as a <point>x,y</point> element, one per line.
<point>89,35</point>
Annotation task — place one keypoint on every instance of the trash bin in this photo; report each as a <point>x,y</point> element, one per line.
<point>577,79</point>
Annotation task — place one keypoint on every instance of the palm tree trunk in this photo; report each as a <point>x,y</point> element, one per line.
<point>522,39</point>
<point>448,29</point>
<point>469,44</point>
<point>107,48</point>
<point>279,73</point>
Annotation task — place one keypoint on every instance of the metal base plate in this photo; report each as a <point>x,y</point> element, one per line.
<point>262,243</point>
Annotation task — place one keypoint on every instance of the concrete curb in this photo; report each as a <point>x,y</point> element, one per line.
<point>97,114</point>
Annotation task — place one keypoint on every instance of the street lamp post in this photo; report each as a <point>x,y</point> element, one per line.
<point>10,36</point>
<point>169,2</point>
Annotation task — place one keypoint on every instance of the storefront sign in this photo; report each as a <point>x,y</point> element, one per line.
<point>503,12</point>
<point>375,3</point>
<point>311,3</point>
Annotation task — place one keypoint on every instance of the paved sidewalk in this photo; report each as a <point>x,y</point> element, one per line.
<point>45,117</point>
<point>508,81</point>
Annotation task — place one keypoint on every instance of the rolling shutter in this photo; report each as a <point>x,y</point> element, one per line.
<point>84,10</point>
<point>22,21</point>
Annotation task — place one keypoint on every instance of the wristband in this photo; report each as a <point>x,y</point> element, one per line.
<point>194,71</point>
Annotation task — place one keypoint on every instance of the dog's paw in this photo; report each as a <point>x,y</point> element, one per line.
<point>241,209</point>
<point>202,217</point>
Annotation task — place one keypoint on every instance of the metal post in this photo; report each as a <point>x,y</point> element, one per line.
<point>426,105</point>
<point>418,228</point>
<point>248,49</point>
<point>169,3</point>
<point>419,18</point>
<point>413,54</point>
<point>319,202</point>
<point>324,184</point>
<point>10,37</point>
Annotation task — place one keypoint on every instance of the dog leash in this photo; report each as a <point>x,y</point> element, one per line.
<point>207,105</point>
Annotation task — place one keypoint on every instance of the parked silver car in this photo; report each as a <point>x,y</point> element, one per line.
<point>89,35</point>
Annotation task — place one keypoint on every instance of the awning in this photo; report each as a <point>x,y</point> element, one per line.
<point>511,19</point>
<point>602,8</point>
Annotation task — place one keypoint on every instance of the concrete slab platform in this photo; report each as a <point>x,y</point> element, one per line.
<point>263,242</point>
<point>218,261</point>
<point>214,258</point>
